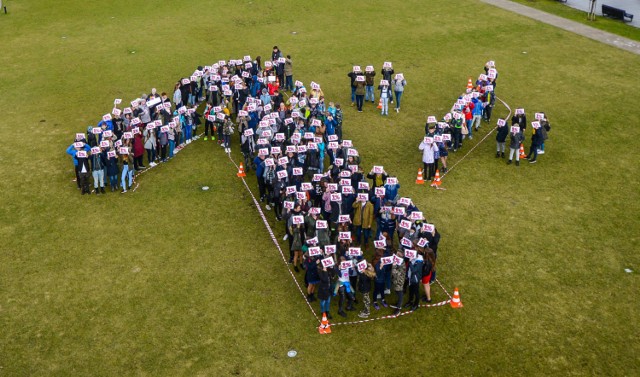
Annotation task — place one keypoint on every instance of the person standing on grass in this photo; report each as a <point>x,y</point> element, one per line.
<point>444,153</point>
<point>501,138</point>
<point>516,137</point>
<point>398,277</point>
<point>324,289</point>
<point>258,162</point>
<point>385,94</point>
<point>456,126</point>
<point>387,75</point>
<point>378,287</point>
<point>414,276</point>
<point>369,75</point>
<point>227,132</point>
<point>360,91</point>
<point>150,145</point>
<point>536,140</point>
<point>113,170</point>
<point>311,276</point>
<point>428,158</point>
<point>478,107</point>
<point>398,87</point>
<point>468,117</point>
<point>362,220</point>
<point>353,75</point>
<point>428,268</point>
<point>338,118</point>
<point>127,171</point>
<point>288,74</point>
<point>71,151</point>
<point>364,287</point>
<point>98,164</point>
<point>490,100</point>
<point>545,127</point>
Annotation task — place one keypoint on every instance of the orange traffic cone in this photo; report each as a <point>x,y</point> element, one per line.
<point>455,301</point>
<point>325,327</point>
<point>380,104</point>
<point>241,171</point>
<point>436,180</point>
<point>469,84</point>
<point>522,155</point>
<point>420,179</point>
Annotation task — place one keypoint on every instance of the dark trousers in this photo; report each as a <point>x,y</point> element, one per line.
<point>457,137</point>
<point>429,171</point>
<point>533,152</point>
<point>414,294</point>
<point>163,152</point>
<point>208,126</point>
<point>84,182</point>
<point>359,101</point>
<point>261,187</point>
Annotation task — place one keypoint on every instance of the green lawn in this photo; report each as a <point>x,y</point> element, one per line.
<point>171,280</point>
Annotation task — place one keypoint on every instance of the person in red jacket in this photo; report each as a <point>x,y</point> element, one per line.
<point>138,152</point>
<point>468,117</point>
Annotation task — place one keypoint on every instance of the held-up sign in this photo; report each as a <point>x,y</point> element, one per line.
<point>164,129</point>
<point>317,177</point>
<point>128,135</point>
<point>117,101</point>
<point>422,242</point>
<point>248,132</point>
<point>306,186</point>
<point>336,198</point>
<point>363,185</point>
<point>386,260</point>
<point>368,68</point>
<point>104,144</point>
<point>416,215</point>
<point>314,250</point>
<point>314,210</point>
<point>344,235</point>
<point>356,68</point>
<point>328,262</point>
<point>539,116</point>
<point>344,265</point>
<point>501,122</point>
<point>428,140</point>
<point>399,76</point>
<point>519,111</point>
<point>345,182</point>
<point>406,242</point>
<point>297,171</point>
<point>398,211</point>
<point>95,150</point>
<point>301,148</point>
<point>363,197</point>
<point>397,260</point>
<point>118,143</point>
<point>429,228</point>
<point>344,219</point>
<point>404,201</point>
<point>123,150</point>
<point>446,137</point>
<point>297,219</point>
<point>96,130</point>
<point>332,187</point>
<point>269,162</point>
<point>301,195</point>
<point>437,138</point>
<point>115,111</point>
<point>347,190</point>
<point>354,252</point>
<point>345,174</point>
<point>378,169</point>
<point>290,190</point>
<point>362,265</point>
<point>321,224</point>
<point>488,88</point>
<point>405,224</point>
<point>338,162</point>
<point>282,174</point>
<point>515,129</point>
<point>81,154</point>
<point>360,79</point>
<point>535,125</point>
<point>79,136</point>
<point>431,119</point>
<point>379,191</point>
<point>312,241</point>
<point>288,204</point>
<point>106,117</point>
<point>111,154</point>
<point>380,244</point>
<point>330,249</point>
<point>411,254</point>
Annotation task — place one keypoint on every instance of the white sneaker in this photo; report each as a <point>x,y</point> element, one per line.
<point>387,291</point>
<point>152,164</point>
<point>286,237</point>
<point>540,151</point>
<point>268,207</point>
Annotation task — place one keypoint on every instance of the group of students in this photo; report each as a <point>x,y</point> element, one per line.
<point>362,87</point>
<point>314,181</point>
<point>539,133</point>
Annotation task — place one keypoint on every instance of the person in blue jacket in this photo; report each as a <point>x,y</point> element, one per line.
<point>71,151</point>
<point>259,166</point>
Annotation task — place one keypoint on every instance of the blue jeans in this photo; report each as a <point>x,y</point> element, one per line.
<point>353,93</point>
<point>385,106</point>
<point>172,146</point>
<point>187,131</point>
<point>369,96</point>
<point>360,231</point>
<point>324,305</point>
<point>398,96</point>
<point>113,180</point>
<point>126,173</point>
<point>227,141</point>
<point>469,123</point>
<point>288,83</point>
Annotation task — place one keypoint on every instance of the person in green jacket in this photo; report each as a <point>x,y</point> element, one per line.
<point>362,220</point>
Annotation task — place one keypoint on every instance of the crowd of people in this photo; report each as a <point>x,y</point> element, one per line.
<point>362,87</point>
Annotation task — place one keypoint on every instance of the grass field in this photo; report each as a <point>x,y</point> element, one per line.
<point>171,280</point>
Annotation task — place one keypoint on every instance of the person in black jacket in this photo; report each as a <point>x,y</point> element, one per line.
<point>501,138</point>
<point>324,289</point>
<point>364,287</point>
<point>536,141</point>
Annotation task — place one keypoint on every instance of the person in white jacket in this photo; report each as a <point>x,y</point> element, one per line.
<point>428,157</point>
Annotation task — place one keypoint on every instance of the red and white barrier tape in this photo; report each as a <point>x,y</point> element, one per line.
<point>480,142</point>
<point>441,303</point>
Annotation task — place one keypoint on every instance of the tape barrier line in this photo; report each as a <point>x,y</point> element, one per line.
<point>275,240</point>
<point>441,303</point>
<point>480,142</point>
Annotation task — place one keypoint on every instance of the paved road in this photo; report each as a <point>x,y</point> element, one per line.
<point>631,6</point>
<point>572,26</point>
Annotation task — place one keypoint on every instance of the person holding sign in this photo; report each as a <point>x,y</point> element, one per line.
<point>98,163</point>
<point>501,137</point>
<point>378,287</point>
<point>364,287</point>
<point>414,275</point>
<point>385,94</point>
<point>428,148</point>
<point>112,169</point>
<point>312,277</point>
<point>398,87</point>
<point>72,151</point>
<point>360,92</point>
<point>362,220</point>
<point>127,170</point>
<point>324,289</point>
<point>288,73</point>
<point>353,75</point>
<point>369,74</point>
<point>428,268</point>
<point>545,127</point>
<point>398,276</point>
<point>536,141</point>
<point>516,137</point>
